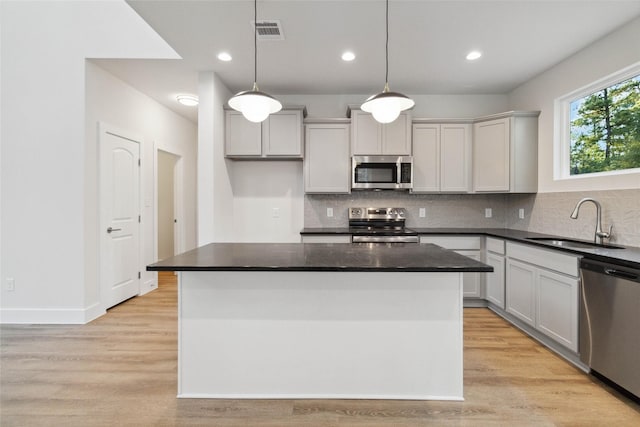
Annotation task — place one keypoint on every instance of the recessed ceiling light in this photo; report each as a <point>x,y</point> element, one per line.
<point>348,56</point>
<point>224,56</point>
<point>473,55</point>
<point>188,100</point>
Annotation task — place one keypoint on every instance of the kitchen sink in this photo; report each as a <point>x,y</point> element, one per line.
<point>572,244</point>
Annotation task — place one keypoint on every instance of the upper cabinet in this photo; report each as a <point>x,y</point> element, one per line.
<point>505,153</point>
<point>369,137</point>
<point>279,136</point>
<point>441,157</point>
<point>326,161</point>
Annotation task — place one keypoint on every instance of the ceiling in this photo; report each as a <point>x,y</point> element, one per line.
<point>428,42</point>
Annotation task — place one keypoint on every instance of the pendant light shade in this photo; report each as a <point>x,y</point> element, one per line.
<point>386,106</point>
<point>254,105</point>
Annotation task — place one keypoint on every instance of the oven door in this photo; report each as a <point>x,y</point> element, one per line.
<point>382,172</point>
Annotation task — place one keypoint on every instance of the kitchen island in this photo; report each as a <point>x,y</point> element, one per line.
<point>369,321</point>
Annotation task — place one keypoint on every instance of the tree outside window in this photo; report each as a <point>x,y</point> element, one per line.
<point>605,129</point>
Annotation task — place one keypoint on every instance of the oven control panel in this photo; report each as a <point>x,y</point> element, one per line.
<point>369,213</point>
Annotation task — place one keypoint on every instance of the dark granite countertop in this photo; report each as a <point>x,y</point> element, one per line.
<point>320,257</point>
<point>629,256</point>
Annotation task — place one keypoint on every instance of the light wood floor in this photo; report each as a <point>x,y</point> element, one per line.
<point>121,370</point>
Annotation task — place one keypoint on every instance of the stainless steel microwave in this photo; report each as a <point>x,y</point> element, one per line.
<point>382,172</point>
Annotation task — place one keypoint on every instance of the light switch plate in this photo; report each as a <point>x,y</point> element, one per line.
<point>329,212</point>
<point>422,212</point>
<point>521,213</point>
<point>488,213</point>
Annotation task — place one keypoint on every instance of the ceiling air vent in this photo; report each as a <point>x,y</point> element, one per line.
<point>269,30</point>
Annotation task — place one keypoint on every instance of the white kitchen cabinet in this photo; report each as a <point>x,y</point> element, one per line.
<point>542,290</point>
<point>326,238</point>
<point>468,246</point>
<point>521,291</point>
<point>505,153</point>
<point>557,314</point>
<point>372,138</point>
<point>494,282</point>
<point>441,157</point>
<point>279,136</point>
<point>327,165</point>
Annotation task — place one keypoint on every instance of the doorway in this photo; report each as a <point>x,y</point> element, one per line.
<point>168,206</point>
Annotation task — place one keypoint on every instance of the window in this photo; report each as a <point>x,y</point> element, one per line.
<point>600,127</point>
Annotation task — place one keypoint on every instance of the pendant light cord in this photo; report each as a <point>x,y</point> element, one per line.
<point>255,42</point>
<point>386,49</point>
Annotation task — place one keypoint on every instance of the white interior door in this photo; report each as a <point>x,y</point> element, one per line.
<point>119,224</point>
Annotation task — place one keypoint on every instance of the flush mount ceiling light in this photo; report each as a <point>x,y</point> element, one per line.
<point>254,105</point>
<point>188,100</point>
<point>473,55</point>
<point>348,56</point>
<point>224,56</point>
<point>386,105</point>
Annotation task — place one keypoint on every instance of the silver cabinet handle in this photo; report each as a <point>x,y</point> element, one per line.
<point>109,230</point>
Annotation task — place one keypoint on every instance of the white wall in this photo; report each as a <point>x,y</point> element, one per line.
<point>48,213</point>
<point>606,56</point>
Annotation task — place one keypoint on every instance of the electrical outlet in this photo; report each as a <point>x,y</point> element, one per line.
<point>488,213</point>
<point>329,212</point>
<point>275,213</point>
<point>11,284</point>
<point>422,212</point>
<point>521,213</point>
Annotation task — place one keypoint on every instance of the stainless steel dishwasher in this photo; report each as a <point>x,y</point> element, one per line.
<point>610,322</point>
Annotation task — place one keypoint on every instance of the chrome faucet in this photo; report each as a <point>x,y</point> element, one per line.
<point>599,234</point>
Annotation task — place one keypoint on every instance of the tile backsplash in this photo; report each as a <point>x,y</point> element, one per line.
<point>543,213</point>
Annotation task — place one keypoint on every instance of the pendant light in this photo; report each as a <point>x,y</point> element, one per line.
<point>386,105</point>
<point>254,104</point>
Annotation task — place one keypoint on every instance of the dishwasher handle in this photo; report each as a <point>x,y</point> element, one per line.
<point>621,274</point>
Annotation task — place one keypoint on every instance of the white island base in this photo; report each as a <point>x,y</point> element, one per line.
<point>320,334</point>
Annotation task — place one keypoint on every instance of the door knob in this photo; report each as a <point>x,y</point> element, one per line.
<point>109,230</point>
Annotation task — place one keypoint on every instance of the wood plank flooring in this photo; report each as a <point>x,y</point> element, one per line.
<point>121,369</point>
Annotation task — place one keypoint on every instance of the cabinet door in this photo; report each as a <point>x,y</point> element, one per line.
<point>367,136</point>
<point>455,158</point>
<point>557,314</point>
<point>242,137</point>
<point>396,136</point>
<point>471,281</point>
<point>327,167</point>
<point>521,291</point>
<point>282,134</point>
<point>495,280</point>
<point>426,158</point>
<point>491,155</point>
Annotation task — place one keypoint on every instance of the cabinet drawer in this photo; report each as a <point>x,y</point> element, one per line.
<point>453,242</point>
<point>495,245</point>
<point>549,259</point>
<point>326,238</point>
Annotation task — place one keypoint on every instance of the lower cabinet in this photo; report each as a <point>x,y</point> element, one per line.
<point>542,290</point>
<point>521,296</point>
<point>468,246</point>
<point>494,287</point>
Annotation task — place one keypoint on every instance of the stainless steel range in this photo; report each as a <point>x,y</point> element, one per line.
<point>380,225</point>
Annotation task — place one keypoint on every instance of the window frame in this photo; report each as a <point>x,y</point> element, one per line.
<point>562,125</point>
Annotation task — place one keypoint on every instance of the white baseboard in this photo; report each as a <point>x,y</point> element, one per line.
<point>148,286</point>
<point>51,316</point>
